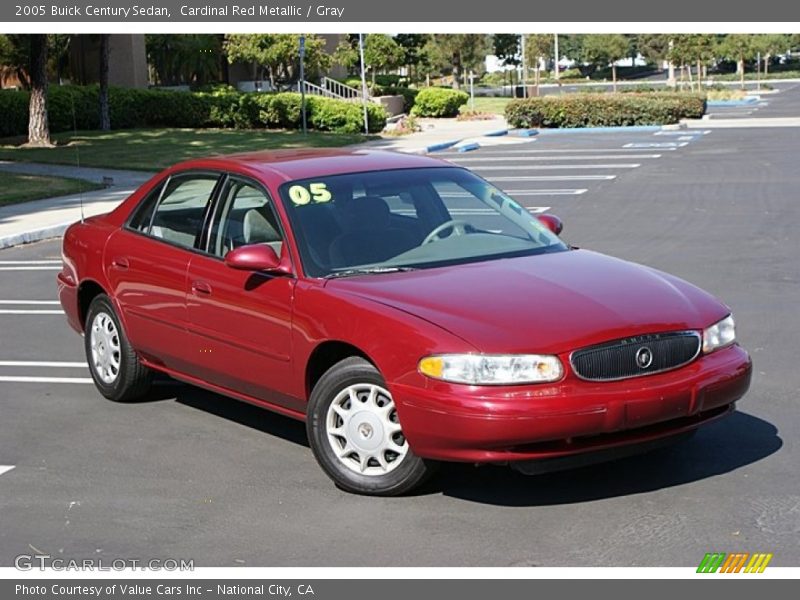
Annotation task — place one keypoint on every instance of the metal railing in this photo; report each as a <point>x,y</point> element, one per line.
<point>340,89</point>
<point>312,89</point>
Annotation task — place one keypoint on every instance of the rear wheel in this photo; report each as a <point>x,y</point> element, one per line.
<point>115,368</point>
<point>355,433</point>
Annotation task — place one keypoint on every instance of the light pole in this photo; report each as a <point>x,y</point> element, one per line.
<point>524,68</point>
<point>363,82</point>
<point>555,54</point>
<point>303,82</point>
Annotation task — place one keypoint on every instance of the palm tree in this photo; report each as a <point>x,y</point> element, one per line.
<point>105,113</point>
<point>38,127</point>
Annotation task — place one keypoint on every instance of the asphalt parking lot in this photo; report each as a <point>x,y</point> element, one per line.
<point>193,475</point>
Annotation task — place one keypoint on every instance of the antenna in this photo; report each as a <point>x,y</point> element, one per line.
<point>77,149</point>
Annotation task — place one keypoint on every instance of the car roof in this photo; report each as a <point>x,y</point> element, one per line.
<point>288,165</point>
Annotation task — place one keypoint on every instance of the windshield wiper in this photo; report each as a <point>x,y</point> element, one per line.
<point>368,271</point>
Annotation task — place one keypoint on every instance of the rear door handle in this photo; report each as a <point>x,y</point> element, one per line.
<point>201,287</point>
<point>120,263</point>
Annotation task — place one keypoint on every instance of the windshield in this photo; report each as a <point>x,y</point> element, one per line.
<point>380,221</point>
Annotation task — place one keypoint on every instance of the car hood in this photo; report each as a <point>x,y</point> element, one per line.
<point>546,303</point>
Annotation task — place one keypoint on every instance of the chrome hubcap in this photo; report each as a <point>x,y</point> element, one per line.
<point>104,341</point>
<point>363,430</point>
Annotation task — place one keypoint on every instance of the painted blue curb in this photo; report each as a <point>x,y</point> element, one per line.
<point>469,147</point>
<point>441,146</point>
<point>629,129</point>
<point>526,132</point>
<point>743,102</point>
<point>497,133</point>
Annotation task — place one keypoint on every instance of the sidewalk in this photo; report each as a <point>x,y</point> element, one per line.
<point>42,219</point>
<point>440,134</point>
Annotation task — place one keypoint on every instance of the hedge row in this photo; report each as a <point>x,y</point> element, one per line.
<point>78,107</point>
<point>604,110</point>
<point>438,102</point>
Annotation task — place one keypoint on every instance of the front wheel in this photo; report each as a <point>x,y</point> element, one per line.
<point>355,433</point>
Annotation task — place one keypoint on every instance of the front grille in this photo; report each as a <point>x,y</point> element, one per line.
<point>635,356</point>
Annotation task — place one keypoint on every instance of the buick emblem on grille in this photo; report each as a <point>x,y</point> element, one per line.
<point>644,357</point>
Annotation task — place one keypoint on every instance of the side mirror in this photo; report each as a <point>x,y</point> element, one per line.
<point>552,222</point>
<point>256,257</point>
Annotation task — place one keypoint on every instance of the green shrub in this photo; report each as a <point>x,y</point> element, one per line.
<point>438,102</point>
<point>605,110</point>
<point>78,107</point>
<point>14,111</point>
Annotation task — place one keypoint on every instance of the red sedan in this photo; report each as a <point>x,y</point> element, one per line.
<point>406,309</point>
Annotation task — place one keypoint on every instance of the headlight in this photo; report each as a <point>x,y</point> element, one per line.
<point>719,335</point>
<point>492,369</point>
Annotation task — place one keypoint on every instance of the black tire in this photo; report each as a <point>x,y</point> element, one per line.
<point>133,379</point>
<point>407,475</point>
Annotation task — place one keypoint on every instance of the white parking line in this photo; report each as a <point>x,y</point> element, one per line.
<point>655,144</point>
<point>30,262</point>
<point>29,302</point>
<point>46,363</point>
<point>555,178</point>
<point>15,379</point>
<point>622,150</point>
<point>568,192</point>
<point>683,132</point>
<point>555,167</point>
<point>579,157</point>
<point>13,311</point>
<point>5,468</point>
<point>30,268</point>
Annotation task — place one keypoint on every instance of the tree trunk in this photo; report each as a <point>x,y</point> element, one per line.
<point>671,74</point>
<point>105,112</point>
<point>699,74</point>
<point>536,78</point>
<point>741,71</point>
<point>456,71</point>
<point>614,76</point>
<point>38,128</point>
<point>766,64</point>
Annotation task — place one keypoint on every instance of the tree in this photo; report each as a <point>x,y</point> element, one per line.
<point>105,51</point>
<point>693,49</point>
<point>381,53</point>
<point>459,52</point>
<point>506,48</point>
<point>605,49</point>
<point>738,47</point>
<point>278,55</point>
<point>770,45</point>
<point>184,59</point>
<point>38,127</point>
<point>415,57</point>
<point>538,47</point>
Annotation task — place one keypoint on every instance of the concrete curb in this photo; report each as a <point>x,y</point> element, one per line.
<point>441,146</point>
<point>468,147</point>
<point>623,128</point>
<point>36,235</point>
<point>749,100</point>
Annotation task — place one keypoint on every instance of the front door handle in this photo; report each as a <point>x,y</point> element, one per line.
<point>120,263</point>
<point>200,287</point>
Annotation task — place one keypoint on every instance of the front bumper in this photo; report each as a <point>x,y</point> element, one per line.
<point>515,423</point>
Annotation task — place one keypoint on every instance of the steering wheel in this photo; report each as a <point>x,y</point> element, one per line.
<point>458,227</point>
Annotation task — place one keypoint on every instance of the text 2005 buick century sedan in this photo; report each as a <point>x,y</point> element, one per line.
<point>406,309</point>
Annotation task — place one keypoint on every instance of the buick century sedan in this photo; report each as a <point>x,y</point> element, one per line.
<point>407,310</point>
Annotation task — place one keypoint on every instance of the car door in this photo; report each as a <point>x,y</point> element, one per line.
<point>240,321</point>
<point>147,261</point>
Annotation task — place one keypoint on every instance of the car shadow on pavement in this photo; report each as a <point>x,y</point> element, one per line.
<point>718,448</point>
<point>239,412</point>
